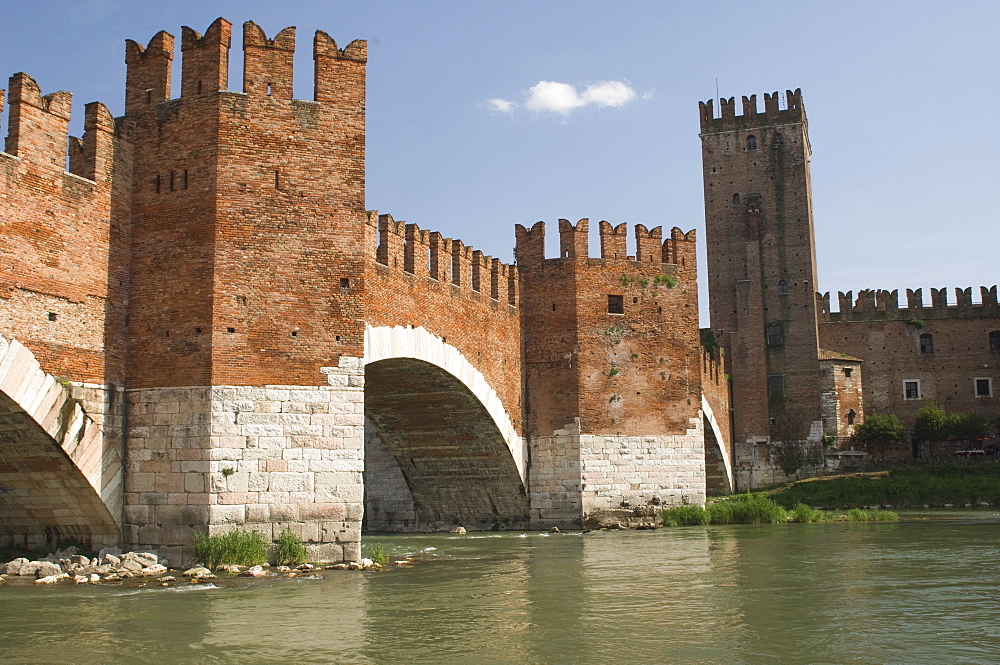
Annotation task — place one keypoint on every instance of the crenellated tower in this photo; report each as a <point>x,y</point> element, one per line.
<point>247,249</point>
<point>762,263</point>
<point>612,367</point>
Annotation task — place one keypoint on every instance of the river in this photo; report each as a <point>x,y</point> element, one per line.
<point>923,590</point>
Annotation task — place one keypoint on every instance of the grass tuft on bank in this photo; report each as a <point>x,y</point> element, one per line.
<point>242,548</point>
<point>911,486</point>
<point>758,508</point>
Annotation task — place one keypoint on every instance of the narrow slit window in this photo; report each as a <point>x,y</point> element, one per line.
<point>751,143</point>
<point>782,287</point>
<point>736,199</point>
<point>776,385</point>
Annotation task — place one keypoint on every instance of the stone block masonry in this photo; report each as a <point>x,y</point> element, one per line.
<point>258,458</point>
<point>579,475</point>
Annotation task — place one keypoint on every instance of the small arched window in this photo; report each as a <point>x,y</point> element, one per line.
<point>926,343</point>
<point>851,415</point>
<point>751,143</point>
<point>736,199</point>
<point>782,287</point>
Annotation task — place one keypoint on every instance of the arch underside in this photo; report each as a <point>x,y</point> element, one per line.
<point>718,465</point>
<point>44,497</point>
<point>455,461</point>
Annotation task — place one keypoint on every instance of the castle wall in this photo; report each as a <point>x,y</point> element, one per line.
<point>888,338</point>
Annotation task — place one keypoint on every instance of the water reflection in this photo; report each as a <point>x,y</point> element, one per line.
<point>826,593</point>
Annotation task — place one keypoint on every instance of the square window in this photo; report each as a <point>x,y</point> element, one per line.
<point>911,389</point>
<point>984,388</point>
<point>847,371</point>
<point>616,304</point>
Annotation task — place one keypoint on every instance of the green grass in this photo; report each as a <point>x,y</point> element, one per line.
<point>746,509</point>
<point>760,509</point>
<point>291,549</point>
<point>862,515</point>
<point>684,516</point>
<point>912,486</point>
<point>802,513</point>
<point>242,548</point>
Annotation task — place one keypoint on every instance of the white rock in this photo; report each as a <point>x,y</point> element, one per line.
<point>366,563</point>
<point>51,579</point>
<point>80,579</point>
<point>94,577</point>
<point>155,569</point>
<point>459,529</point>
<point>199,571</point>
<point>254,571</point>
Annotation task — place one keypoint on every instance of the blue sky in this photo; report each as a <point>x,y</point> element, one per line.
<point>900,96</point>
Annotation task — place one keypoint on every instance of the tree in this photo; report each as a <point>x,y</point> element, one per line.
<point>879,434</point>
<point>967,426</point>
<point>930,425</point>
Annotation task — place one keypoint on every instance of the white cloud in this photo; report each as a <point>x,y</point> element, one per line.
<point>561,98</point>
<point>553,96</point>
<point>609,93</point>
<point>501,105</point>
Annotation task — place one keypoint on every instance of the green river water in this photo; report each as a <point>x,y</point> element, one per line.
<point>923,590</point>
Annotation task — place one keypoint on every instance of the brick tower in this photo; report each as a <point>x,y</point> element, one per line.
<point>247,251</point>
<point>612,372</point>
<point>762,264</point>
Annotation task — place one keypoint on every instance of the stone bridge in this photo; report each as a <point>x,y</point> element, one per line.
<point>443,399</point>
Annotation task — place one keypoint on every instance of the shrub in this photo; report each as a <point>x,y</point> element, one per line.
<point>378,554</point>
<point>862,515</point>
<point>291,549</point>
<point>242,548</point>
<point>684,516</point>
<point>800,512</point>
<point>747,509</point>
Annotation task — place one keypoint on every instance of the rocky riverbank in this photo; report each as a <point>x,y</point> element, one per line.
<point>111,566</point>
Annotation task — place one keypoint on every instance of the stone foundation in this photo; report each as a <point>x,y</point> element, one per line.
<point>225,457</point>
<point>575,476</point>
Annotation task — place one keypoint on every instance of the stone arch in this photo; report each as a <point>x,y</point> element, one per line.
<point>446,429</point>
<point>716,448</point>
<point>57,478</point>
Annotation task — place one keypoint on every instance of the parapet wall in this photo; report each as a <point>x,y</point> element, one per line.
<point>773,114</point>
<point>882,305</point>
<point>574,242</point>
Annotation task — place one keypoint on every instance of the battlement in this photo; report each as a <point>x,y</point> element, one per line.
<point>651,247</point>
<point>450,261</point>
<point>267,66</point>
<point>728,120</point>
<point>38,131</point>
<point>881,304</point>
